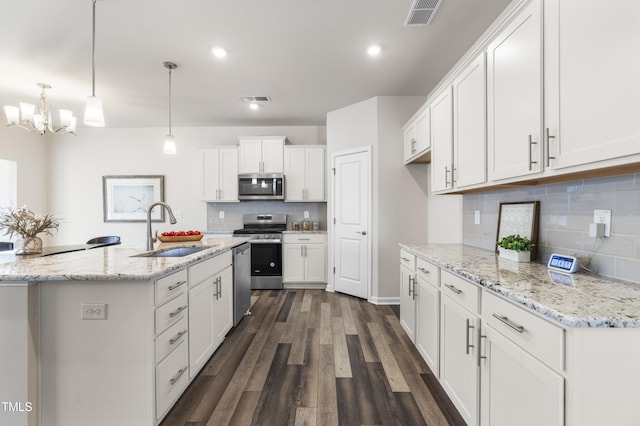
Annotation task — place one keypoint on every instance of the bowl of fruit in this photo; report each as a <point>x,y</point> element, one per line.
<point>177,236</point>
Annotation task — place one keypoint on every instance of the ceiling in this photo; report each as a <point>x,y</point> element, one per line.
<point>308,56</point>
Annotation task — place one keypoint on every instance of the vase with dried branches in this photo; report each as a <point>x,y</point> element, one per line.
<point>26,225</point>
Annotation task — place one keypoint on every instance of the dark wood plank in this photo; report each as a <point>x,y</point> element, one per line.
<point>310,370</point>
<point>362,384</point>
<point>245,409</point>
<point>445,404</point>
<point>181,411</point>
<point>327,413</point>
<point>286,307</point>
<point>348,409</point>
<point>276,405</point>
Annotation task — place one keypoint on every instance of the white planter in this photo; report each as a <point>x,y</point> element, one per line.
<point>516,256</point>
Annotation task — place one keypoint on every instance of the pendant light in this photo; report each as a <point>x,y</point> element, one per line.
<point>93,115</point>
<point>169,140</point>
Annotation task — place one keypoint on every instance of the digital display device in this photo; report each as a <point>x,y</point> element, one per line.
<point>563,263</point>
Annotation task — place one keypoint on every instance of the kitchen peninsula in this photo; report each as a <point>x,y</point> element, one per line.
<point>109,335</point>
<point>517,343</point>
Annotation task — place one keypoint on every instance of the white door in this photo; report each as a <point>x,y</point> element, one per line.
<point>352,194</point>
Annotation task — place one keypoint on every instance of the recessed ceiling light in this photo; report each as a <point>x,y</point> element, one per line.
<point>374,50</point>
<point>254,106</point>
<point>218,52</point>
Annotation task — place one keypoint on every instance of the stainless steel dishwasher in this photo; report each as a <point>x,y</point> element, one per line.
<point>241,282</point>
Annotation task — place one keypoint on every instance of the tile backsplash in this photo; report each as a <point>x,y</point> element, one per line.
<point>566,210</point>
<point>233,213</point>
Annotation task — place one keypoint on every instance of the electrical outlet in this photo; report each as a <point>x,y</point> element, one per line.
<point>221,214</point>
<point>94,311</point>
<point>477,217</point>
<point>603,216</point>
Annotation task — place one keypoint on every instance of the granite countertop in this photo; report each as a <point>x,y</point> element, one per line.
<point>572,300</point>
<point>113,263</point>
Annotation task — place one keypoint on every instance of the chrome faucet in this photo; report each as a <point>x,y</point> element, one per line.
<point>150,237</point>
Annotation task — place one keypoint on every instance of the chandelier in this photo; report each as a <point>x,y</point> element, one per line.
<point>37,118</point>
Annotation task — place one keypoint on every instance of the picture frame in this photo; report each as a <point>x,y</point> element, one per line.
<point>127,198</point>
<point>521,217</point>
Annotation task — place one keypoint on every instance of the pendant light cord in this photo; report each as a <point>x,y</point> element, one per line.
<point>170,100</point>
<point>93,52</point>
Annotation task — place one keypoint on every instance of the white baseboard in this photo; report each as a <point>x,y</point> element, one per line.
<point>385,300</point>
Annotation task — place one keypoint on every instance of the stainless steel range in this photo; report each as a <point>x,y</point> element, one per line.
<point>265,231</point>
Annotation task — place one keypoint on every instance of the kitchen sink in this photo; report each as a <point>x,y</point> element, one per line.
<point>173,252</point>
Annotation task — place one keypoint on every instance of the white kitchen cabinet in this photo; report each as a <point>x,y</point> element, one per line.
<point>261,154</point>
<point>219,174</point>
<point>223,305</point>
<point>459,328</point>
<point>428,314</point>
<point>592,88</point>
<point>442,141</point>
<point>417,137</point>
<point>304,258</point>
<point>469,121</point>
<point>514,97</point>
<point>517,389</point>
<point>201,339</point>
<point>304,169</point>
<point>407,294</point>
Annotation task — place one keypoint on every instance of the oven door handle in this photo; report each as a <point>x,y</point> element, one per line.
<point>266,241</point>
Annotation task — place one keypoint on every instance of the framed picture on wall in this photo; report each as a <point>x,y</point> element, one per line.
<point>519,218</point>
<point>127,198</point>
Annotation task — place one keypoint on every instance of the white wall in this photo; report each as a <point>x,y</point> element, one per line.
<point>398,192</point>
<point>77,165</point>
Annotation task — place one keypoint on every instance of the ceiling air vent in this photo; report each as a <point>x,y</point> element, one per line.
<point>255,99</point>
<point>422,12</point>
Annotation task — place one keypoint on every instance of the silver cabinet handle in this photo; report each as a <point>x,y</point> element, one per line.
<point>446,176</point>
<point>175,378</point>
<point>480,356</point>
<point>453,288</point>
<point>423,270</point>
<point>548,136</point>
<point>453,175</point>
<point>220,287</point>
<point>415,279</point>
<point>178,336</point>
<point>404,259</point>
<point>176,285</point>
<point>177,311</point>
<point>304,239</point>
<point>531,143</point>
<point>468,344</point>
<point>364,233</point>
<point>410,285</point>
<point>305,251</point>
<point>413,145</point>
<point>507,321</point>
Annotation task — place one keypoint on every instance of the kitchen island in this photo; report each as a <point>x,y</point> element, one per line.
<point>107,336</point>
<point>517,343</point>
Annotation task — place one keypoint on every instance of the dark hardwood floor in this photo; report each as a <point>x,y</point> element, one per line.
<point>308,357</point>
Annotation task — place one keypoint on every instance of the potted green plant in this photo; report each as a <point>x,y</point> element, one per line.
<point>515,247</point>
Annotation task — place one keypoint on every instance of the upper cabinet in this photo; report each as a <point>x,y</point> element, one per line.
<point>592,82</point>
<point>469,125</point>
<point>261,154</point>
<point>304,169</point>
<point>219,173</point>
<point>442,141</point>
<point>417,138</point>
<point>514,95</point>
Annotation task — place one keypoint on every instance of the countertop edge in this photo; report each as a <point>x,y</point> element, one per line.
<point>553,315</point>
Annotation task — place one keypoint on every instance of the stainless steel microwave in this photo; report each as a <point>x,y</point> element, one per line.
<point>261,186</point>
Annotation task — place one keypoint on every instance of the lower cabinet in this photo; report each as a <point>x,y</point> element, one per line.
<point>407,297</point>
<point>428,323</point>
<point>304,258</point>
<point>517,389</point>
<point>223,306</point>
<point>459,373</point>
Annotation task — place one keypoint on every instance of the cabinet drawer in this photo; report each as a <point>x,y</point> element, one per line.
<point>534,334</point>
<point>171,338</point>
<point>203,270</point>
<point>172,377</point>
<point>304,238</point>
<point>407,259</point>
<point>170,285</point>
<point>171,312</point>
<point>428,272</point>
<point>460,290</point>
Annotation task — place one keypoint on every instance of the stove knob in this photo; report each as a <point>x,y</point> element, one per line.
<point>272,264</point>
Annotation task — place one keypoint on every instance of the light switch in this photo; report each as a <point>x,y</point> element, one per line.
<point>306,214</point>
